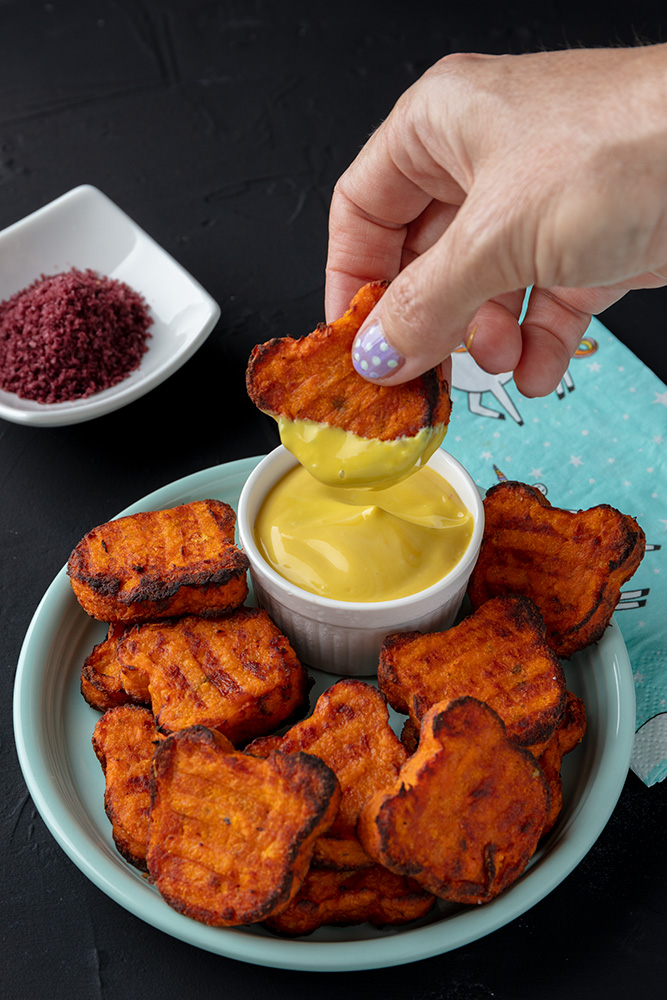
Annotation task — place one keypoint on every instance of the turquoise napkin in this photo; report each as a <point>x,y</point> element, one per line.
<point>600,438</point>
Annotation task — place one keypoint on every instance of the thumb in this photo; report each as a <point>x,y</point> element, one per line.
<point>429,308</point>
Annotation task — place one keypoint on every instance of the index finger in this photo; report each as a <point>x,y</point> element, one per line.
<point>386,188</point>
<point>362,248</point>
<point>372,205</point>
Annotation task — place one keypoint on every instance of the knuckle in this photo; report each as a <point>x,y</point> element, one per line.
<point>459,65</point>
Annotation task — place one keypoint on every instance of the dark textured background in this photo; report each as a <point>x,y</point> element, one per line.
<point>221,127</point>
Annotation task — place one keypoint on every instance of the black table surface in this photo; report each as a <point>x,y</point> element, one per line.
<point>221,127</point>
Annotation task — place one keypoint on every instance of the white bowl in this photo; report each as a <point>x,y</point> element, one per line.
<point>84,229</point>
<point>344,637</point>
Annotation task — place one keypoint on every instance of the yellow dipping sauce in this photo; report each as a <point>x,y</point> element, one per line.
<point>358,545</point>
<point>340,458</point>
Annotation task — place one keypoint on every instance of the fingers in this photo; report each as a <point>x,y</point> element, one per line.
<point>399,247</point>
<point>368,224</point>
<point>389,206</point>
<point>556,319</point>
<point>432,304</point>
<point>361,249</point>
<point>391,216</point>
<point>494,339</point>
<point>551,332</point>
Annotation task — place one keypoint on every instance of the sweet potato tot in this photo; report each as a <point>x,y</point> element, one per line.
<point>498,655</point>
<point>349,730</point>
<point>312,378</point>
<point>231,836</point>
<point>159,564</point>
<point>237,674</point>
<point>340,898</point>
<point>101,680</point>
<point>565,739</point>
<point>467,810</point>
<point>124,740</point>
<point>571,564</point>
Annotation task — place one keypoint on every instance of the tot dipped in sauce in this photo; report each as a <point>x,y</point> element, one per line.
<point>362,518</point>
<point>363,545</point>
<point>346,430</point>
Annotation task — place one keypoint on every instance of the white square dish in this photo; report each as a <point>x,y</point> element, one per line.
<point>85,229</point>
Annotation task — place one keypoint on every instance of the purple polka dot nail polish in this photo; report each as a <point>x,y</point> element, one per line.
<point>372,356</point>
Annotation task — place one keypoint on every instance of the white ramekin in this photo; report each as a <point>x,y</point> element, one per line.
<point>344,637</point>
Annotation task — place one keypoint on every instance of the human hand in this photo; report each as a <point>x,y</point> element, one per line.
<point>493,174</point>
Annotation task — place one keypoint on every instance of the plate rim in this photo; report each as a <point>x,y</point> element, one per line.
<point>402,945</point>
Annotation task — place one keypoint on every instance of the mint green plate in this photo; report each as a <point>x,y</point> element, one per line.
<point>53,727</point>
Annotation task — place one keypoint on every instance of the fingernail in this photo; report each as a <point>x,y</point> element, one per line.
<point>470,337</point>
<point>372,356</point>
